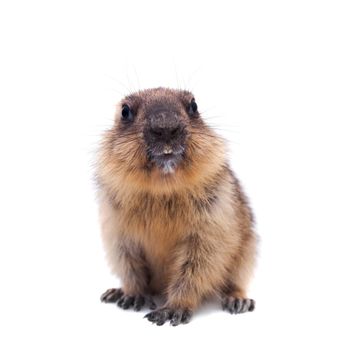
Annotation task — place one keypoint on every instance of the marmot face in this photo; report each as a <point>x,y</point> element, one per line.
<point>159,133</point>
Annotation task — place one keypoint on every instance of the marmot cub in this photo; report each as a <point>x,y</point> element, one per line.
<point>175,221</point>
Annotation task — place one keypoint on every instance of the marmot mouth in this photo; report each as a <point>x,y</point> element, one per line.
<point>167,163</point>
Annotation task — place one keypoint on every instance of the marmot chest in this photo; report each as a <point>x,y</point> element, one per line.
<point>158,217</point>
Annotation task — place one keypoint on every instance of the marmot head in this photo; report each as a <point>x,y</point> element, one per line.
<point>159,138</point>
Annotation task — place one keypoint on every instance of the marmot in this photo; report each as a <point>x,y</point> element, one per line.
<point>175,221</point>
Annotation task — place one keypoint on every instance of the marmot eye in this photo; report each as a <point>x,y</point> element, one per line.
<point>127,115</point>
<point>193,108</point>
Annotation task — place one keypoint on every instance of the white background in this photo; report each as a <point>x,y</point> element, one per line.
<point>272,76</point>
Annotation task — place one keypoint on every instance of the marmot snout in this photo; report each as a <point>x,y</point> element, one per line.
<point>175,221</point>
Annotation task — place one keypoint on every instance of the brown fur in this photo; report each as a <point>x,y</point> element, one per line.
<point>186,235</point>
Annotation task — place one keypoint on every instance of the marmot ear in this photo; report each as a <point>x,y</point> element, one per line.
<point>127,115</point>
<point>193,108</point>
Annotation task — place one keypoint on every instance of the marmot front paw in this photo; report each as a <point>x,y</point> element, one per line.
<point>175,316</point>
<point>237,305</point>
<point>126,301</point>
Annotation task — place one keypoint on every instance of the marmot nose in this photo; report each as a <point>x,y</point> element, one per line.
<point>165,133</point>
<point>165,126</point>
